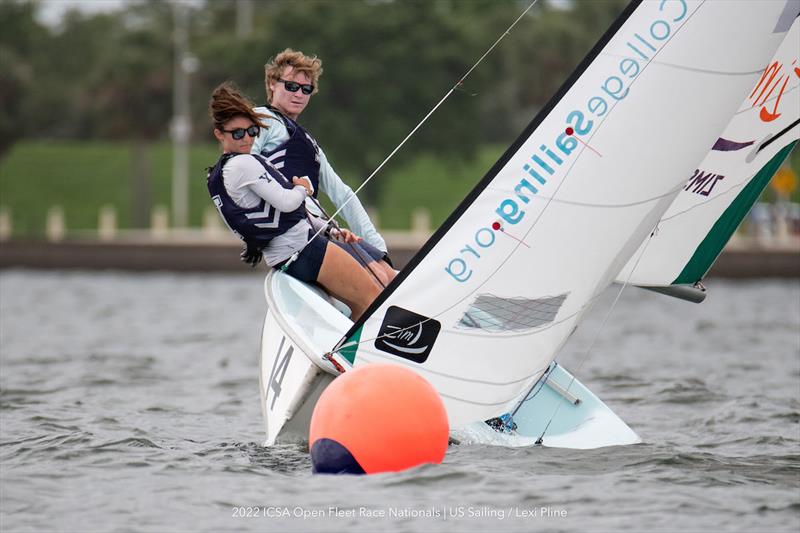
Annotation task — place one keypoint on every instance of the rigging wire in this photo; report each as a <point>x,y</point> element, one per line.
<point>457,86</point>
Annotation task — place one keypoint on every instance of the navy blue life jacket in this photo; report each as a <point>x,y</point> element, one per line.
<point>254,225</point>
<point>299,155</point>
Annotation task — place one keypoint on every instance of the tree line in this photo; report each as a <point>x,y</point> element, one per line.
<point>387,63</point>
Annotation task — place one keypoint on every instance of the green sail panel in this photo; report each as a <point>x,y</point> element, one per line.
<point>350,347</point>
<point>723,228</point>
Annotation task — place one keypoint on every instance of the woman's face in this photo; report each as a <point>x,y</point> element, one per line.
<point>289,103</point>
<point>231,145</point>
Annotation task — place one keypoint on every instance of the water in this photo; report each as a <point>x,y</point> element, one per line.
<point>130,403</point>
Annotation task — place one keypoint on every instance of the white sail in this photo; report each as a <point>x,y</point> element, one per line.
<point>485,306</point>
<point>720,191</point>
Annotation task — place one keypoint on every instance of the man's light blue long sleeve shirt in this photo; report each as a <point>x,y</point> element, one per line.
<point>329,181</point>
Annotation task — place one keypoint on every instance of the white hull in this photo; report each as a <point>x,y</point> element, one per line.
<point>301,325</point>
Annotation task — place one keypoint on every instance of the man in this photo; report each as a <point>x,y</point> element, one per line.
<point>290,79</point>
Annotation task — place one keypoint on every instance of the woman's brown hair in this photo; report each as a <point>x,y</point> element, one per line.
<point>227,103</point>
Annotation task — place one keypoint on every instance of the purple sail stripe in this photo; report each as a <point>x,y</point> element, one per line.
<point>724,145</point>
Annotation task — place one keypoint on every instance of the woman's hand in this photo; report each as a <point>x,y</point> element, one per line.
<point>305,183</point>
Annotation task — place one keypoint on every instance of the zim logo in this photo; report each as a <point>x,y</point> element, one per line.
<point>406,334</point>
<point>703,182</point>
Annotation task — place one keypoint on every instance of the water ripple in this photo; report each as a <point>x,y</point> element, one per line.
<point>117,415</point>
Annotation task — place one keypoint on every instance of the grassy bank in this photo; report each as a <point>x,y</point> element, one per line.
<point>82,177</point>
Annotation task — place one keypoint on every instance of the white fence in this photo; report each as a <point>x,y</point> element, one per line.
<point>767,225</point>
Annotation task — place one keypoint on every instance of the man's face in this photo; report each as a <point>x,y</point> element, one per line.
<point>290,103</point>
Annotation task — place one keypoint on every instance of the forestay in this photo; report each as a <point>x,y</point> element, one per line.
<point>484,307</point>
<point>719,192</point>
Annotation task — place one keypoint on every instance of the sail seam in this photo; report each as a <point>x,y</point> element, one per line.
<point>770,100</point>
<point>369,358</point>
<point>541,329</point>
<point>701,70</point>
<point>606,206</point>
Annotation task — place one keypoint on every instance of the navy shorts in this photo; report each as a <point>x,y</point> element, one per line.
<point>365,251</point>
<point>306,266</point>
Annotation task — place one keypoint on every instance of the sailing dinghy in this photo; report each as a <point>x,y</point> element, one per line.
<point>582,198</point>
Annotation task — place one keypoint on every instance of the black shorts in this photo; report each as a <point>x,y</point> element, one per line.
<point>365,251</point>
<point>306,266</point>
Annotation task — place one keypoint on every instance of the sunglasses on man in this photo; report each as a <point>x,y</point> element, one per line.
<point>293,86</point>
<point>238,133</point>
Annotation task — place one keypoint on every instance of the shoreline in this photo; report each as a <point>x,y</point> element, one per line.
<point>743,258</point>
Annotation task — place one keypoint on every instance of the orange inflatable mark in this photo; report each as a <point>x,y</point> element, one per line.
<point>377,418</point>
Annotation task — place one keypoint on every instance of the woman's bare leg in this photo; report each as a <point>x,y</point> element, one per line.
<point>379,272</point>
<point>383,271</point>
<point>389,272</point>
<point>346,280</point>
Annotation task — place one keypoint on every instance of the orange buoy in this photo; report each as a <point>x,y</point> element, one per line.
<point>377,418</point>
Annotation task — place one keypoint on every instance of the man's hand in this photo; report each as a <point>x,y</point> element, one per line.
<point>305,183</point>
<point>346,235</point>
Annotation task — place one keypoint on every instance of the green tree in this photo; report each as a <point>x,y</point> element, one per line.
<point>130,87</point>
<point>22,41</point>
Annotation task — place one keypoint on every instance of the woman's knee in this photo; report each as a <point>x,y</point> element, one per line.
<point>385,272</point>
<point>377,269</point>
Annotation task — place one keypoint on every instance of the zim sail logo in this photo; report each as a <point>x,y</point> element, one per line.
<point>406,334</point>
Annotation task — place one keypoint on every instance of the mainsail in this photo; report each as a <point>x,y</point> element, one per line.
<point>484,307</point>
<point>724,186</point>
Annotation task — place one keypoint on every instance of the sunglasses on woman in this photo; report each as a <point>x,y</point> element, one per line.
<point>293,86</point>
<point>238,133</point>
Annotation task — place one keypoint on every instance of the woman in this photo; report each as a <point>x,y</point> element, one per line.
<point>267,211</point>
<point>291,78</point>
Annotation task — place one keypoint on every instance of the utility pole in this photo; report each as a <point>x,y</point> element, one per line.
<point>244,18</point>
<point>181,119</point>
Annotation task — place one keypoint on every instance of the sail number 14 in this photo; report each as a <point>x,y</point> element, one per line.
<point>278,372</point>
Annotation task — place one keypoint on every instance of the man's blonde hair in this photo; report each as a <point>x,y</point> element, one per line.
<point>311,66</point>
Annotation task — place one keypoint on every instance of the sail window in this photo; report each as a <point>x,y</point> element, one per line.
<point>496,314</point>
